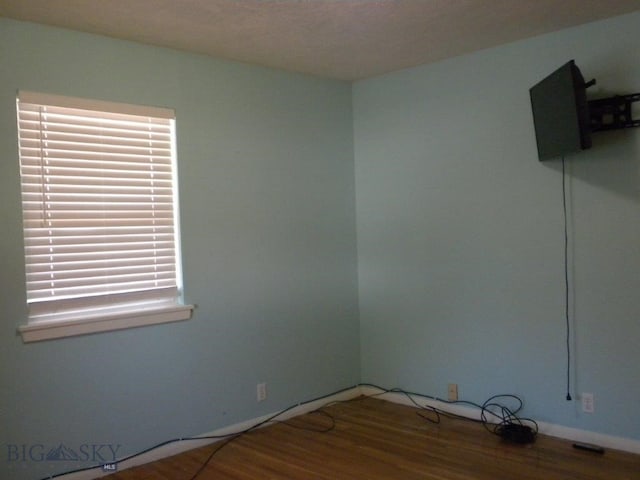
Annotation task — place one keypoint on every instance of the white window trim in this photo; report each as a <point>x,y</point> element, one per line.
<point>123,315</point>
<point>38,331</point>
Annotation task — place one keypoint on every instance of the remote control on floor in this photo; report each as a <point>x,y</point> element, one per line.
<point>588,447</point>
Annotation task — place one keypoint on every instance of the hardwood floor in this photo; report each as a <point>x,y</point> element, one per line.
<point>375,439</point>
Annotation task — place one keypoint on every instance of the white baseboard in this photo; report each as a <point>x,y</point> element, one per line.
<point>184,445</point>
<point>577,435</point>
<point>551,429</point>
<point>567,433</point>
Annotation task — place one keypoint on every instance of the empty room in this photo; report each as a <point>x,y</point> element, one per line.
<point>320,239</point>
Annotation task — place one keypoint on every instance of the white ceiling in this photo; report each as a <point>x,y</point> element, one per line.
<point>341,39</point>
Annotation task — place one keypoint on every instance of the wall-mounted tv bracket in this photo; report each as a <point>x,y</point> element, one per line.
<point>613,113</point>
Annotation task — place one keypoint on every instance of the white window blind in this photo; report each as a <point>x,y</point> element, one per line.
<point>99,205</point>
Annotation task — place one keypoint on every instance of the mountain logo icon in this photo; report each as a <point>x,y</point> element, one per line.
<point>62,452</point>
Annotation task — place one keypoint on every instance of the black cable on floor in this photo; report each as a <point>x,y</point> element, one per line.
<point>496,418</point>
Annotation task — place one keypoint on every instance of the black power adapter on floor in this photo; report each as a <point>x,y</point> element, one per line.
<point>516,433</point>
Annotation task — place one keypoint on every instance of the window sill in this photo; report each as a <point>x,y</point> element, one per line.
<point>47,330</point>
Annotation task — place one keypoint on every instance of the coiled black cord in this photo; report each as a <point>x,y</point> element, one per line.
<point>496,417</point>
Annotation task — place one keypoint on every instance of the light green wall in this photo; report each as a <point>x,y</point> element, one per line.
<point>460,233</point>
<point>459,230</point>
<point>268,236</point>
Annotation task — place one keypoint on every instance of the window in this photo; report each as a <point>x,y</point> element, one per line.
<point>99,203</point>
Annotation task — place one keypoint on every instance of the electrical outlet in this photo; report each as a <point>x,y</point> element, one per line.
<point>261,392</point>
<point>452,392</point>
<point>587,403</point>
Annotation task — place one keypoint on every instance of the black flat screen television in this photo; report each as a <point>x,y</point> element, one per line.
<point>561,113</point>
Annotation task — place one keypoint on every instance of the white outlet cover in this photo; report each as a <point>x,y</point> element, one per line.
<point>587,403</point>
<point>261,392</point>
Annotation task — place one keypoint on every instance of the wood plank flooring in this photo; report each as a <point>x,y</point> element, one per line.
<point>375,439</point>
